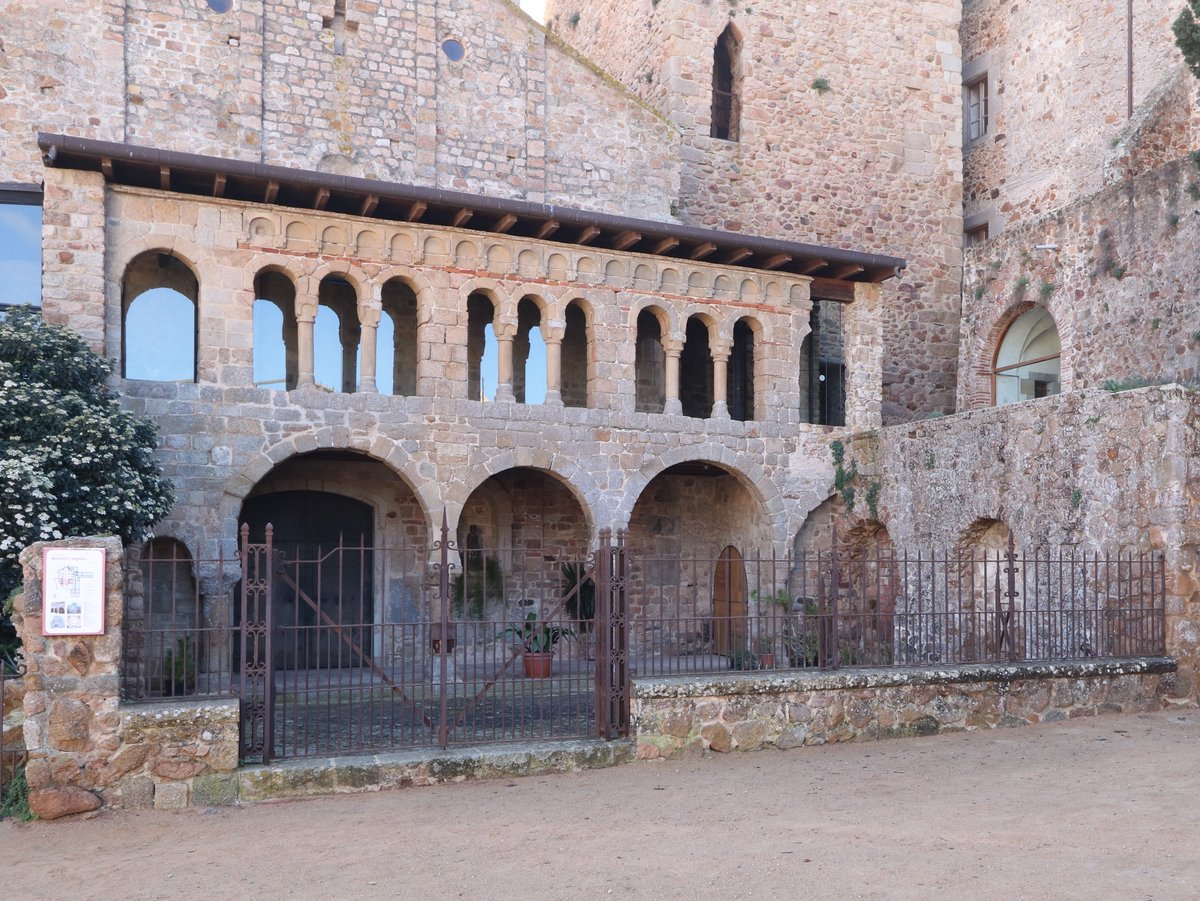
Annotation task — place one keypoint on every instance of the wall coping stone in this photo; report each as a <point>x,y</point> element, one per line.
<point>832,680</point>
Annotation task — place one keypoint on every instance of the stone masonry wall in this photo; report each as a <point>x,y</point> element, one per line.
<point>1089,470</point>
<point>873,162</point>
<point>373,94</point>
<point>1058,97</point>
<point>222,435</point>
<point>677,717</point>
<point>1121,285</point>
<point>85,748</point>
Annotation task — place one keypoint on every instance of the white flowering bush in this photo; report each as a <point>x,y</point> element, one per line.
<point>72,462</point>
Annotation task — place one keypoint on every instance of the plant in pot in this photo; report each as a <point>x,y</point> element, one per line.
<point>538,640</point>
<point>579,589</point>
<point>481,580</point>
<point>766,652</point>
<point>801,641</point>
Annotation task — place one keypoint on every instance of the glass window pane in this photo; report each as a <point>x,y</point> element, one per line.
<point>20,254</point>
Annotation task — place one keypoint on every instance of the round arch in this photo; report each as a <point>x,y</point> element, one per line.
<point>748,473</point>
<point>575,478</point>
<point>239,486</point>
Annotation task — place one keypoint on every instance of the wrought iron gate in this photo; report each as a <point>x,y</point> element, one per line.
<point>424,661</point>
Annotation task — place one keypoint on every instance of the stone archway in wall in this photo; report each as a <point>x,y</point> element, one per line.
<point>517,531</point>
<point>702,565</point>
<point>351,542</point>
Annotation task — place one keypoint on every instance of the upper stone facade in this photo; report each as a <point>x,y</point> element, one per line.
<point>367,91</point>
<point>1058,79</point>
<point>848,134</point>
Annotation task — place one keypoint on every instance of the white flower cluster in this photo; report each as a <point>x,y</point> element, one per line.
<point>71,461</point>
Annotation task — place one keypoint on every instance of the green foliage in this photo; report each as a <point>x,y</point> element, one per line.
<point>1047,289</point>
<point>1187,35</point>
<point>743,659</point>
<point>873,499</point>
<point>581,604</point>
<point>779,597</point>
<point>1132,383</point>
<point>72,462</point>
<point>179,668</point>
<point>469,590</point>
<point>843,476</point>
<point>1076,499</point>
<point>1022,285</point>
<point>821,85</point>
<point>15,802</point>
<point>535,636</point>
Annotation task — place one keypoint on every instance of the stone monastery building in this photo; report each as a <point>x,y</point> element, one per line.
<point>685,268</point>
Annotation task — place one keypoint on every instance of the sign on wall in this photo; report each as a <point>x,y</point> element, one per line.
<point>73,591</point>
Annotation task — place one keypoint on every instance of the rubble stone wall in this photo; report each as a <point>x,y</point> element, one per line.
<point>1059,97</point>
<point>86,748</point>
<point>1119,278</point>
<point>850,135</point>
<point>678,717</point>
<point>371,93</point>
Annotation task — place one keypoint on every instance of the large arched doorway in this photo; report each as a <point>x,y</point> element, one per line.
<point>349,542</point>
<point>702,574</point>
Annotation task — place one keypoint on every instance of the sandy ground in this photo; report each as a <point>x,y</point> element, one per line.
<point>1102,808</point>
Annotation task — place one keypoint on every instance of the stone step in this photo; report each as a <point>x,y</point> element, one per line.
<point>354,774</point>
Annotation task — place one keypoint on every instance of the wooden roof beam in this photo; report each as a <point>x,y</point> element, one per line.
<point>736,256</point>
<point>462,217</point>
<point>368,205</point>
<point>588,235</point>
<point>702,250</point>
<point>547,228</point>
<point>851,269</point>
<point>416,211</point>
<point>321,199</point>
<point>626,239</point>
<point>504,223</point>
<point>272,192</point>
<point>811,266</point>
<point>219,185</point>
<point>776,260</point>
<point>665,246</point>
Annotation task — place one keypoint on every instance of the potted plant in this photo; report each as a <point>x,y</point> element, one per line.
<point>800,634</point>
<point>766,652</point>
<point>743,659</point>
<point>537,641</point>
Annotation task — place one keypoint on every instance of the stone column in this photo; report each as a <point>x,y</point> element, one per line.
<point>672,404</point>
<point>554,340</point>
<point>369,317</point>
<point>306,317</point>
<point>720,358</point>
<point>863,322</point>
<point>504,362</point>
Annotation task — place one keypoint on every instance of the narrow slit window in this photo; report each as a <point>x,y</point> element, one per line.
<point>726,87</point>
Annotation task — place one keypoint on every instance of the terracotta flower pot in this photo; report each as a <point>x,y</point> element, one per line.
<point>538,665</point>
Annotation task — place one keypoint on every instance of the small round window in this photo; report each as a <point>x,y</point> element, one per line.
<point>454,49</point>
<point>220,6</point>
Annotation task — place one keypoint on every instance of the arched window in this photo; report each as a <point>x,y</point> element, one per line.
<point>275,339</point>
<point>159,295</point>
<point>740,383</point>
<point>529,355</point>
<point>650,364</point>
<point>336,335</point>
<point>1028,361</point>
<point>696,371</point>
<point>576,359</point>
<point>398,337</point>
<point>483,361</point>
<point>726,87</point>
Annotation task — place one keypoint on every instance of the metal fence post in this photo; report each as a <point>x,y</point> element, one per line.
<point>269,651</point>
<point>835,587</point>
<point>444,643</point>
<point>603,630</point>
<point>1010,556</point>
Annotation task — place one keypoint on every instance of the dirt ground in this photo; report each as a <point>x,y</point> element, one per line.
<point>1099,808</point>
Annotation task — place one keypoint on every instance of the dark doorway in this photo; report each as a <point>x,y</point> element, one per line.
<point>324,574</point>
<point>729,603</point>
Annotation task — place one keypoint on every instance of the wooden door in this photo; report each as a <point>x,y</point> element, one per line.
<point>729,603</point>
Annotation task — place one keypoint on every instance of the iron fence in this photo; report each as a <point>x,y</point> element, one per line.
<point>875,606</point>
<point>344,649</point>
<point>12,743</point>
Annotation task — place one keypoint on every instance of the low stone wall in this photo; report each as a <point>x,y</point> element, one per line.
<point>687,715</point>
<point>86,748</point>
